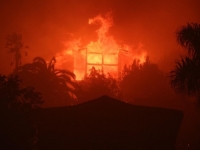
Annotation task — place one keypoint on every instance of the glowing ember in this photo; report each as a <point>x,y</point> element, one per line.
<point>104,54</point>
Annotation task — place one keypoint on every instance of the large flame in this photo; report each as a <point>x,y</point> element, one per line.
<point>104,54</point>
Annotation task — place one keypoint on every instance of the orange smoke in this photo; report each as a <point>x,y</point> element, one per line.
<point>104,54</point>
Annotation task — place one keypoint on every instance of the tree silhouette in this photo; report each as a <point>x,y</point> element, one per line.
<point>12,95</point>
<point>17,130</point>
<point>56,86</point>
<point>144,81</point>
<point>14,47</point>
<point>96,84</point>
<point>185,76</point>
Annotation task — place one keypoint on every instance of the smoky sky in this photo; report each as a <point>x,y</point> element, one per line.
<point>46,25</point>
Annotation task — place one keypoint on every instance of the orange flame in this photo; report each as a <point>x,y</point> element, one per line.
<point>104,54</point>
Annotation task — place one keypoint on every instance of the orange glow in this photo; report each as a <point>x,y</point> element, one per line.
<point>94,59</point>
<point>104,54</point>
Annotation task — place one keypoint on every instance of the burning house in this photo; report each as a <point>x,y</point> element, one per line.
<point>104,54</point>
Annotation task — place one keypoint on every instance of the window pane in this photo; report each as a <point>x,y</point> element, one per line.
<point>111,59</point>
<point>94,58</point>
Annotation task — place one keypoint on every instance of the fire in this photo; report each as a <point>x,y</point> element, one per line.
<point>104,54</point>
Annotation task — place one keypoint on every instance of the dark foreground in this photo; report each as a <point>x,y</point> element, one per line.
<point>105,124</point>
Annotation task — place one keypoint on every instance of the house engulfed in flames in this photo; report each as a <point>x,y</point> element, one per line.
<point>104,54</point>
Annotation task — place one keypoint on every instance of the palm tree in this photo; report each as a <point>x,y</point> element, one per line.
<point>185,77</point>
<point>56,86</point>
<point>188,36</point>
<point>14,46</point>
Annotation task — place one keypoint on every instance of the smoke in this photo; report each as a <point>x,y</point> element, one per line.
<point>47,25</point>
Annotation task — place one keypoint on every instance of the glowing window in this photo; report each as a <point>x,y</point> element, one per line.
<point>94,58</point>
<point>110,59</point>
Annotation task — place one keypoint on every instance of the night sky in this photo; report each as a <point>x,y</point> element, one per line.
<point>46,25</point>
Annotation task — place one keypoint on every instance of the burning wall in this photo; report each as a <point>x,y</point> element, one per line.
<point>104,54</point>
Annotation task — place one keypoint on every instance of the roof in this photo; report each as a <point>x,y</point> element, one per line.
<point>107,123</point>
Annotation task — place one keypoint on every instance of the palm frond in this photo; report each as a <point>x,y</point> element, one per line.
<point>188,36</point>
<point>54,84</point>
<point>65,72</point>
<point>52,64</point>
<point>40,62</point>
<point>185,76</point>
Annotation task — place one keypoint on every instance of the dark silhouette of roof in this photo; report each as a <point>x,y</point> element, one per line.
<point>107,123</point>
